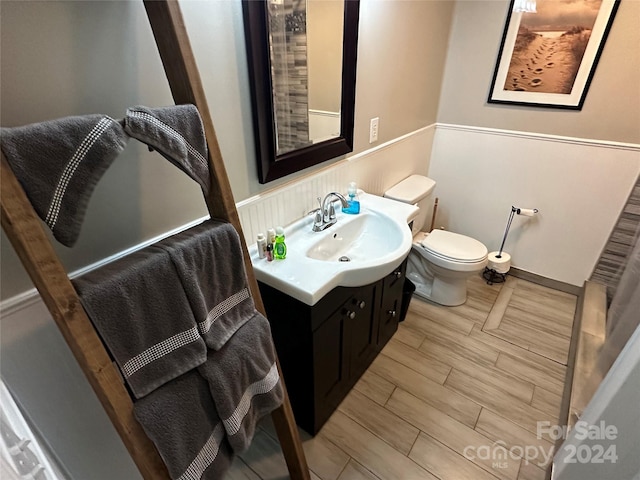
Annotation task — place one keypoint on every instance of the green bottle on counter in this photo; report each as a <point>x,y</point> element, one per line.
<point>279,247</point>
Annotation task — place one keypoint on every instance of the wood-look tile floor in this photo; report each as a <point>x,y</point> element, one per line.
<point>452,381</point>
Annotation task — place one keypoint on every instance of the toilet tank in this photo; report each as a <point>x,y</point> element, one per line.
<point>415,190</point>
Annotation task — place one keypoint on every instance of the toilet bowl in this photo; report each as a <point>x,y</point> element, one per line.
<point>439,262</point>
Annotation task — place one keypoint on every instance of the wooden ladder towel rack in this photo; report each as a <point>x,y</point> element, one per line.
<point>27,235</point>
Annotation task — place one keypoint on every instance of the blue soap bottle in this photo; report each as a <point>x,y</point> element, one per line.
<point>352,200</point>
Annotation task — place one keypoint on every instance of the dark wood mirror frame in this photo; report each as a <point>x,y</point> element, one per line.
<point>270,165</point>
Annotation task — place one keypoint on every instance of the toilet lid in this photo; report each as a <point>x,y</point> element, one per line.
<point>454,246</point>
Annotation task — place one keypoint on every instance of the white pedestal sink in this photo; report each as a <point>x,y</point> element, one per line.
<point>357,250</point>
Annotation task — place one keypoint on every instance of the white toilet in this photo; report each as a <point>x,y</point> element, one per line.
<point>441,261</point>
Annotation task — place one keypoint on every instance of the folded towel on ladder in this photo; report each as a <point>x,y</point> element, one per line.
<point>199,420</point>
<point>59,163</point>
<point>240,366</point>
<point>244,380</point>
<point>142,313</point>
<point>177,133</point>
<point>157,310</point>
<point>209,261</point>
<point>181,420</point>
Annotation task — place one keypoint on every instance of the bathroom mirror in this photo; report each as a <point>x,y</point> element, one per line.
<point>302,75</point>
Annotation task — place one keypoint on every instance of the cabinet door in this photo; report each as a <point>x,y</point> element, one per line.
<point>363,335</point>
<point>330,364</point>
<point>390,304</point>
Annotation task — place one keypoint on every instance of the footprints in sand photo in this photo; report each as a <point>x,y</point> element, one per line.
<point>546,61</point>
<point>548,57</point>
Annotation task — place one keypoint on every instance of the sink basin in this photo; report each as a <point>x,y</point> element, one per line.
<point>366,237</point>
<point>358,250</point>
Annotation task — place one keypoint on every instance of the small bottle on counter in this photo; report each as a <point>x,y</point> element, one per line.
<point>271,236</point>
<point>262,245</point>
<point>279,247</point>
<point>353,201</point>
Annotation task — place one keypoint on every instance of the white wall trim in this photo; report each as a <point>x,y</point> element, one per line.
<point>541,136</point>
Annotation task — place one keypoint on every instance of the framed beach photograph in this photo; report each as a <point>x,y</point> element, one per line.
<point>547,58</point>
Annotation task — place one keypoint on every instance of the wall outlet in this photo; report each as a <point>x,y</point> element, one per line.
<point>373,130</point>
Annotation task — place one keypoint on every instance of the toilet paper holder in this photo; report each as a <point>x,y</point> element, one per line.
<point>527,212</point>
<point>491,275</point>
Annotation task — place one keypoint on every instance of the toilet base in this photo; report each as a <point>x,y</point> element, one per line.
<point>446,291</point>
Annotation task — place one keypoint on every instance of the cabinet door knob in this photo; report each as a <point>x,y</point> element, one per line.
<point>397,274</point>
<point>392,313</point>
<point>351,315</point>
<point>362,304</point>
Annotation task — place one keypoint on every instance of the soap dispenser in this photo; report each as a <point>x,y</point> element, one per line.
<point>353,201</point>
<point>279,247</point>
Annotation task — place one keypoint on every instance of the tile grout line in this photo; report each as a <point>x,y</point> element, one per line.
<point>481,467</point>
<point>341,471</point>
<point>387,443</point>
<point>494,319</point>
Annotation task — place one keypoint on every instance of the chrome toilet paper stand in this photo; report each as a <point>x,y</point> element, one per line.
<point>490,274</point>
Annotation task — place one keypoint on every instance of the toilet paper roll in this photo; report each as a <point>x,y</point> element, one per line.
<point>500,265</point>
<point>527,212</point>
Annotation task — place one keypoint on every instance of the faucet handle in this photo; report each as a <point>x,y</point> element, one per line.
<point>317,210</point>
<point>332,212</point>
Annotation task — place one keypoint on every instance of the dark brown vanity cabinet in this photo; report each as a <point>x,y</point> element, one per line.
<point>324,349</point>
<point>391,304</point>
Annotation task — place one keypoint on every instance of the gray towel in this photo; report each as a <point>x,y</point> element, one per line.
<point>244,380</point>
<point>181,420</point>
<point>139,307</point>
<point>208,258</point>
<point>59,163</point>
<point>177,133</point>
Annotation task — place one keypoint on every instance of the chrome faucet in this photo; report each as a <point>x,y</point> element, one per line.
<point>325,216</point>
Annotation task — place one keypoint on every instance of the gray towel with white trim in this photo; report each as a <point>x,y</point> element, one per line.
<point>244,380</point>
<point>209,261</point>
<point>140,309</point>
<point>59,162</point>
<point>177,133</point>
<point>199,420</point>
<point>181,420</point>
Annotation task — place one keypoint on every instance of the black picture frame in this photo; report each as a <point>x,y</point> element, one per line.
<point>520,79</point>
